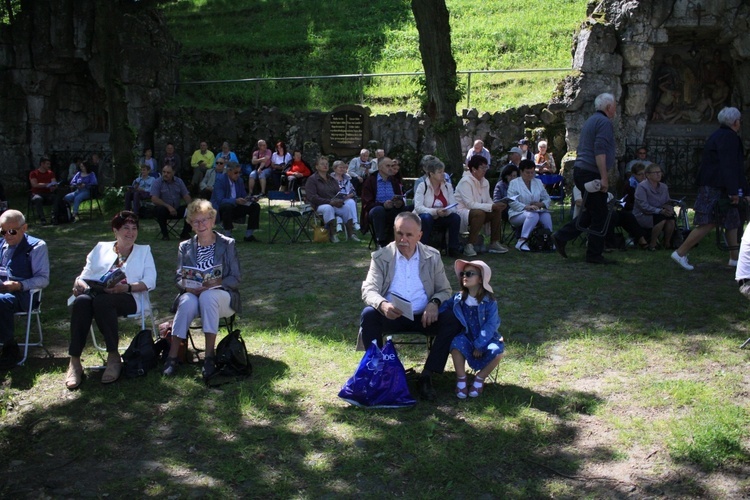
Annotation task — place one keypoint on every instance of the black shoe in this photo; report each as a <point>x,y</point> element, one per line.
<point>250,239</point>
<point>10,355</point>
<point>43,221</point>
<point>600,260</point>
<point>209,368</point>
<point>165,237</point>
<point>454,254</point>
<point>426,391</point>
<point>184,236</point>
<point>559,245</point>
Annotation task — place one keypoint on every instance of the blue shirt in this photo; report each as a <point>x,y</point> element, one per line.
<point>597,138</point>
<point>385,190</point>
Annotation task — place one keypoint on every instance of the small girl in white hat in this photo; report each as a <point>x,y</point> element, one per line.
<point>479,344</point>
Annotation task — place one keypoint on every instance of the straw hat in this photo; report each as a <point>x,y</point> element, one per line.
<point>486,271</point>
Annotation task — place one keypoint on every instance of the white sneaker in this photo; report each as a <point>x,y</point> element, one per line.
<point>353,237</point>
<point>523,246</point>
<point>469,250</point>
<point>682,261</point>
<point>335,239</point>
<point>497,247</point>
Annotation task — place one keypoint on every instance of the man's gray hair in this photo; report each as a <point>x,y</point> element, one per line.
<point>409,215</point>
<point>232,165</point>
<point>431,164</point>
<point>728,116</point>
<point>13,216</point>
<point>603,100</point>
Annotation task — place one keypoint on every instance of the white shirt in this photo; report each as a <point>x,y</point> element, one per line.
<point>407,283</point>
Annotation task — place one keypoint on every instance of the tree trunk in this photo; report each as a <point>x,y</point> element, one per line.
<point>433,24</point>
<point>122,136</point>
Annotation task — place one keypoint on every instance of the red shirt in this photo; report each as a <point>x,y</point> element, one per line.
<point>41,178</point>
<point>299,166</point>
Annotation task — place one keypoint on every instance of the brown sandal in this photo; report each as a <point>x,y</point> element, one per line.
<point>73,378</point>
<point>112,373</point>
<point>462,393</point>
<point>477,387</point>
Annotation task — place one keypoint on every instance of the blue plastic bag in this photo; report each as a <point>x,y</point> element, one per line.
<point>380,380</point>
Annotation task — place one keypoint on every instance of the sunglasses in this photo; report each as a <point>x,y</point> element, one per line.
<point>468,274</point>
<point>11,232</point>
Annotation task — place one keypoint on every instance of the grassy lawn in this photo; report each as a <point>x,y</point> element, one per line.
<point>619,381</point>
<point>249,39</point>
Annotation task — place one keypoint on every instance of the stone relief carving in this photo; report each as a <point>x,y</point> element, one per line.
<point>690,90</point>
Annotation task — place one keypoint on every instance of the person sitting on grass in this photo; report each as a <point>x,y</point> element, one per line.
<point>479,344</point>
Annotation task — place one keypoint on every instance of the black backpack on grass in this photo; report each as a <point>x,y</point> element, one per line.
<point>141,355</point>
<point>540,240</point>
<point>231,360</point>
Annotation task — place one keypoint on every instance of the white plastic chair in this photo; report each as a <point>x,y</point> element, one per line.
<point>145,311</point>
<point>32,311</point>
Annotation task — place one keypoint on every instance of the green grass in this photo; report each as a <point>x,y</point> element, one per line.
<point>629,373</point>
<point>224,40</point>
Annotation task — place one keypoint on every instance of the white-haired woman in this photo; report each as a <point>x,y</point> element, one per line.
<point>213,299</point>
<point>720,178</point>
<point>545,162</point>
<point>435,204</point>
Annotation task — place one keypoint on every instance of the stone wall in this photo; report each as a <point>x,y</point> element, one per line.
<point>52,80</point>
<point>403,134</point>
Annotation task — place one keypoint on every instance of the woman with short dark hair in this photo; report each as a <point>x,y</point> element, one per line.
<point>119,299</point>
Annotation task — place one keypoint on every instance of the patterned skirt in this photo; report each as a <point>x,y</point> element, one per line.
<point>707,209</point>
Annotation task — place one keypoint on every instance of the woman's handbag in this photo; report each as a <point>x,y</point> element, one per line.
<point>320,233</point>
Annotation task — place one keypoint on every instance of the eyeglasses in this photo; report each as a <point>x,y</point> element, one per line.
<point>653,173</point>
<point>220,163</point>
<point>11,232</point>
<point>468,274</point>
<point>199,222</point>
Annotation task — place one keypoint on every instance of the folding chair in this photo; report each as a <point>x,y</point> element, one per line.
<point>291,221</point>
<point>228,324</point>
<point>146,310</point>
<point>555,185</point>
<point>33,310</point>
<point>95,196</point>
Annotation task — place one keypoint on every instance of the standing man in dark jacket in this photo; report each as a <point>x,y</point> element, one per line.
<point>596,155</point>
<point>24,265</point>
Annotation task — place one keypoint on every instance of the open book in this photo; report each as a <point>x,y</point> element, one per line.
<point>192,277</point>
<point>108,280</point>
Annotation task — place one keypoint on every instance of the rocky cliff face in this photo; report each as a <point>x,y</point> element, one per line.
<point>663,61</point>
<point>66,65</point>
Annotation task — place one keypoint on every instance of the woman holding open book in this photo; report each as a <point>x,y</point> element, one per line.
<point>111,283</point>
<point>208,277</point>
<point>529,204</point>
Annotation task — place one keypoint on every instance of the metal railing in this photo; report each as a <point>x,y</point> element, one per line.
<point>361,76</point>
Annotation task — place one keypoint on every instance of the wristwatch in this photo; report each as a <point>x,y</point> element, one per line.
<point>130,288</point>
<point>436,301</point>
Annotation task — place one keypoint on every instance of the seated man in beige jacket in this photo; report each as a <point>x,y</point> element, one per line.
<point>412,271</point>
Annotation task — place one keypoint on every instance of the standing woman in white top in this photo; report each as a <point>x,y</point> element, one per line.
<point>529,203</point>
